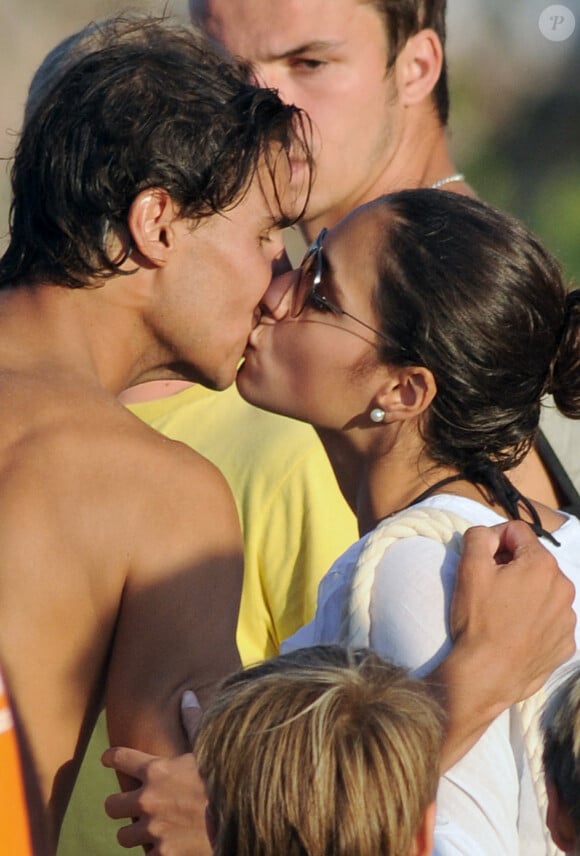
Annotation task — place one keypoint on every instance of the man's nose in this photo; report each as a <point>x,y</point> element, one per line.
<point>277,301</point>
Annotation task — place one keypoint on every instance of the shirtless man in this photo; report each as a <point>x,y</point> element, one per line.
<point>148,188</point>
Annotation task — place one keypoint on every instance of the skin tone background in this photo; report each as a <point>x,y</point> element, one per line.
<point>518,149</point>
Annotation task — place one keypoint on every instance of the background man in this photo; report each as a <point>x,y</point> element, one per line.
<point>372,76</point>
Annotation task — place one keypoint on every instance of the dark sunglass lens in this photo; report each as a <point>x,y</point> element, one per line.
<point>303,286</point>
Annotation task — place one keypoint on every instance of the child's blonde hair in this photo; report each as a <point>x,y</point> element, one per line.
<point>322,751</point>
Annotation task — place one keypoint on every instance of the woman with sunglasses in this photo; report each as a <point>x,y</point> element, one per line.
<point>419,337</point>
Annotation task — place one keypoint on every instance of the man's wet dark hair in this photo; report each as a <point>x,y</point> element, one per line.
<point>148,103</point>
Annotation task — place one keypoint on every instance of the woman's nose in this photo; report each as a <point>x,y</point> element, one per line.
<point>277,301</point>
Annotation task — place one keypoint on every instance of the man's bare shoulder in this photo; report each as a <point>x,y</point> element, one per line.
<point>178,489</point>
<point>87,464</point>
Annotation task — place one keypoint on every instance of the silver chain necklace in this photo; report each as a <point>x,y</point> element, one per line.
<point>449,179</point>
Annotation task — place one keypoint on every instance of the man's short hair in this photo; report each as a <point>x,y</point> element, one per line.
<point>130,104</point>
<point>561,727</point>
<point>320,751</point>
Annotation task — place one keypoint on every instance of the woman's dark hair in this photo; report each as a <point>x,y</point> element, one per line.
<point>142,103</point>
<point>468,292</point>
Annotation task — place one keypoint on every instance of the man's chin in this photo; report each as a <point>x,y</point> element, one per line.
<point>217,380</point>
<point>217,384</point>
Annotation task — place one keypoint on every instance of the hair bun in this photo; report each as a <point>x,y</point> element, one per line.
<point>564,376</point>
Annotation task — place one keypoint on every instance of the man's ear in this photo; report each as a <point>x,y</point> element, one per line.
<point>418,67</point>
<point>407,393</point>
<point>150,221</point>
<point>559,820</point>
<point>423,841</point>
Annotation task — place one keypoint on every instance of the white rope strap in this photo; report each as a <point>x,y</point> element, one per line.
<point>432,523</point>
<point>446,528</point>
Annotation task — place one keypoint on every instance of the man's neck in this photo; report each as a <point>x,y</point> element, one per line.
<point>431,162</point>
<point>152,390</point>
<point>79,333</point>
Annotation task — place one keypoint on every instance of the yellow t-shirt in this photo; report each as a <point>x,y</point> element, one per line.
<point>294,520</point>
<point>295,523</point>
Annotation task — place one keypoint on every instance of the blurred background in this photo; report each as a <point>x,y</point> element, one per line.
<point>515,119</point>
<point>515,83</point>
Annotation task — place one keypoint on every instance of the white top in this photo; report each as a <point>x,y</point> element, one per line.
<point>485,803</point>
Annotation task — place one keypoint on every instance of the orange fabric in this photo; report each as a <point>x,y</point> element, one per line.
<point>14,829</point>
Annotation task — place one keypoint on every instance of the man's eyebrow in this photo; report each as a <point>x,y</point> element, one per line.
<point>307,47</point>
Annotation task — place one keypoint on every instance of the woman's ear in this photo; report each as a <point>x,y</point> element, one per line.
<point>418,67</point>
<point>407,393</point>
<point>150,221</point>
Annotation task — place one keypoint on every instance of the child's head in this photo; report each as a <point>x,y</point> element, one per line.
<point>561,725</point>
<point>321,751</point>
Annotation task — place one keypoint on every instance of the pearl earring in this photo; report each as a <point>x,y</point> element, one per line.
<point>377,414</point>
